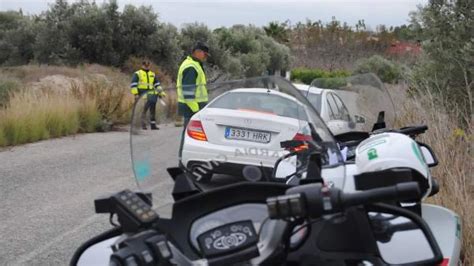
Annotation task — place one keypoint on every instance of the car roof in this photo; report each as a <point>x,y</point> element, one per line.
<point>262,90</point>
<point>312,89</point>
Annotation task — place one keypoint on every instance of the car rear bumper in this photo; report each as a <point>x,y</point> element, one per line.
<point>233,169</point>
<point>229,157</point>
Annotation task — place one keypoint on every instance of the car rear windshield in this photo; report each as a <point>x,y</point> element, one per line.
<point>260,102</point>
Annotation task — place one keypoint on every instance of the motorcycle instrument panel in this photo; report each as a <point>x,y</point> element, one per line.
<point>228,238</point>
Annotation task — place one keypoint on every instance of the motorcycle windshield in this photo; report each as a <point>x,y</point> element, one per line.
<point>354,103</point>
<point>235,136</point>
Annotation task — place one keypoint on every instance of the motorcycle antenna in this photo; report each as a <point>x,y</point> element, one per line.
<point>380,124</point>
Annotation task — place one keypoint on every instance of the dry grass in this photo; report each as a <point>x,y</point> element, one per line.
<point>59,101</point>
<point>453,147</point>
<point>34,73</point>
<point>169,113</point>
<point>7,85</point>
<point>110,98</point>
<point>35,116</point>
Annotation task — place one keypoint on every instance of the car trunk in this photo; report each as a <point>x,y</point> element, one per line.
<point>277,128</point>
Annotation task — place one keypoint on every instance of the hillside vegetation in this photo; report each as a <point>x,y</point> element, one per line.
<point>452,144</point>
<point>80,81</point>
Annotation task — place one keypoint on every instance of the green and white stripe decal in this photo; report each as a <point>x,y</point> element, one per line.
<point>419,155</point>
<point>458,227</point>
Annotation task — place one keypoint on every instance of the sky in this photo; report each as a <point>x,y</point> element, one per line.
<point>217,13</point>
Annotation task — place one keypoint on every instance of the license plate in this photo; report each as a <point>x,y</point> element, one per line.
<point>246,134</point>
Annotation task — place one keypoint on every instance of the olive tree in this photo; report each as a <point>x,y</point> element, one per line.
<point>448,64</point>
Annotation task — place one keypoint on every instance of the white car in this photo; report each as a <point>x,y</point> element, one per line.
<point>332,109</point>
<point>243,127</point>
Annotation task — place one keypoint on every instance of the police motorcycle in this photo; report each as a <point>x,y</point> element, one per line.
<point>361,110</point>
<point>375,145</point>
<point>257,222</point>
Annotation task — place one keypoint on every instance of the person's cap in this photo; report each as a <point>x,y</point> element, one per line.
<point>201,46</point>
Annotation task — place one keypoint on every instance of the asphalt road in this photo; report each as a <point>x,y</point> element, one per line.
<point>47,190</point>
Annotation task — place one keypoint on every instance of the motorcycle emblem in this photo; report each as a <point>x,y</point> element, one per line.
<point>230,241</point>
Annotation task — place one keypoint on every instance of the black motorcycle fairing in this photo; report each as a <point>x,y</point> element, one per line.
<point>338,239</point>
<point>187,210</point>
<point>349,237</point>
<point>184,186</point>
<point>352,136</point>
<point>437,254</point>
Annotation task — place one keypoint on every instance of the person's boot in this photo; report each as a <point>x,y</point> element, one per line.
<point>144,126</point>
<point>153,125</point>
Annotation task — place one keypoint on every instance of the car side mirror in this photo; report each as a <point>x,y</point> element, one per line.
<point>359,119</point>
<point>428,154</point>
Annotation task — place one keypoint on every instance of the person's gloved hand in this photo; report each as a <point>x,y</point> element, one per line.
<point>161,93</point>
<point>194,106</point>
<point>136,96</point>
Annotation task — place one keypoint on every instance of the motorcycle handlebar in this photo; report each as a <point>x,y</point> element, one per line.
<point>415,130</point>
<point>402,191</point>
<point>314,200</point>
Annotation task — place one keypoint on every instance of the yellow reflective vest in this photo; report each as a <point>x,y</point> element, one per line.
<point>199,92</point>
<point>146,81</point>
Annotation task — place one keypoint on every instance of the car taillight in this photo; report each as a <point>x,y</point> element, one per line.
<point>196,131</point>
<point>301,137</point>
<point>445,262</point>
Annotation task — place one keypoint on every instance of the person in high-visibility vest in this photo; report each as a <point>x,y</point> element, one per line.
<point>145,82</point>
<point>191,85</point>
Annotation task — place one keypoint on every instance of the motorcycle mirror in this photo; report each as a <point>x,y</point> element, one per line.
<point>403,238</point>
<point>285,168</point>
<point>428,154</point>
<point>96,254</point>
<point>380,124</point>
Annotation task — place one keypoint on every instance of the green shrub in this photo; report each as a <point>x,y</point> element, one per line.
<point>446,66</point>
<point>385,69</point>
<point>330,83</point>
<point>307,75</point>
<point>245,51</point>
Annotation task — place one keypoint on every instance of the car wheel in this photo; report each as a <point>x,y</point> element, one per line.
<point>201,174</point>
